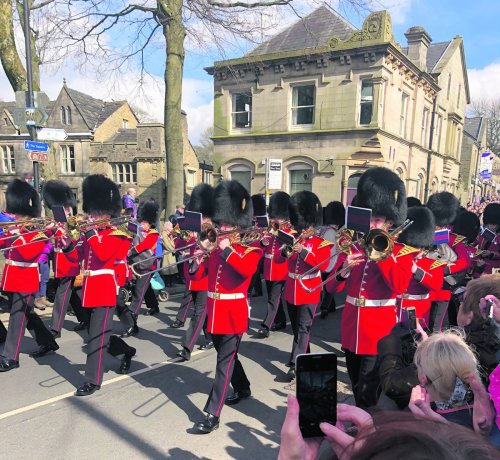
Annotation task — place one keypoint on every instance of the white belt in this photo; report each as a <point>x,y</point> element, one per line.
<point>120,262</point>
<point>269,256</point>
<point>103,271</point>
<point>297,276</point>
<point>415,297</point>
<point>220,296</point>
<point>15,263</point>
<point>362,302</point>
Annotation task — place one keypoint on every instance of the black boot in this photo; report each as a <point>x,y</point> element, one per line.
<point>208,425</point>
<point>127,361</point>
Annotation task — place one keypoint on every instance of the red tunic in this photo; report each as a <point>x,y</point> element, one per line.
<point>275,266</point>
<point>316,250</point>
<point>21,268</point>
<point>372,287</point>
<point>67,260</point>
<point>197,281</point>
<point>427,278</point>
<point>229,275</point>
<point>122,270</point>
<point>457,243</point>
<point>100,251</point>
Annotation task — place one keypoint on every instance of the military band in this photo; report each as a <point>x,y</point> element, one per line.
<point>396,266</point>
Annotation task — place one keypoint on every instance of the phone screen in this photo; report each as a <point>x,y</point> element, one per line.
<point>316,384</point>
<point>409,318</point>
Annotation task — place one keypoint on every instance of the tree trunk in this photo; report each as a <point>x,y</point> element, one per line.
<point>174,32</point>
<point>9,56</point>
<point>35,58</point>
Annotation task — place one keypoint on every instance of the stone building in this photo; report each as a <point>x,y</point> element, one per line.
<point>330,101</point>
<point>103,137</point>
<point>473,144</point>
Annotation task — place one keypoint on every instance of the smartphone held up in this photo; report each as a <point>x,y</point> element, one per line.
<point>316,386</point>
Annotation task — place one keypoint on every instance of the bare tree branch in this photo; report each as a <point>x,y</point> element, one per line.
<point>249,5</point>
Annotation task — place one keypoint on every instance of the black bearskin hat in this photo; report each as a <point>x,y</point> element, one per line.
<point>384,193</point>
<point>420,234</point>
<point>58,193</point>
<point>101,196</point>
<point>148,212</point>
<point>259,205</point>
<point>202,200</point>
<point>232,204</point>
<point>491,214</point>
<point>278,205</point>
<point>305,210</point>
<point>22,199</point>
<point>354,201</point>
<point>413,201</point>
<point>467,224</point>
<point>334,214</point>
<point>444,206</point>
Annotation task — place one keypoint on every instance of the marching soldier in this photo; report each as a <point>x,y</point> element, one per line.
<point>230,269</point>
<point>142,253</point>
<point>275,267</point>
<point>427,273</point>
<point>334,219</point>
<point>488,259</point>
<point>21,277</point>
<point>372,286</point>
<point>308,251</point>
<point>101,249</point>
<point>445,206</point>
<point>197,281</point>
<point>67,254</point>
<point>259,209</point>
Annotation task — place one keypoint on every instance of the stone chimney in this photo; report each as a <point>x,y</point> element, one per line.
<point>418,43</point>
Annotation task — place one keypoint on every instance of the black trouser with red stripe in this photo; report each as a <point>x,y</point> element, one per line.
<point>101,320</point>
<point>301,318</point>
<point>22,316</point>
<point>183,311</point>
<point>198,320</point>
<point>61,302</point>
<point>275,300</point>
<point>229,369</point>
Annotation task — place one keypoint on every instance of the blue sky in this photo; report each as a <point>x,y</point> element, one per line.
<point>476,21</point>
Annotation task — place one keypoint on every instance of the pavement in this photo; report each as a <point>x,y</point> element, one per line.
<point>149,413</point>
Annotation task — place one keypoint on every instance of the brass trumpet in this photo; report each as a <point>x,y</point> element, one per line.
<point>34,221</point>
<point>377,245</point>
<point>183,234</point>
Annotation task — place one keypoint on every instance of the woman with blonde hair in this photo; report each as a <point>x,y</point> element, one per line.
<point>449,380</point>
<point>169,267</point>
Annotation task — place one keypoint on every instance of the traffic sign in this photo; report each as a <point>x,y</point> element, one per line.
<point>38,156</point>
<point>29,116</point>
<point>36,146</point>
<point>51,134</point>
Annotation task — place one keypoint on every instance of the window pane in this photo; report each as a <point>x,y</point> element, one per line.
<point>134,170</point>
<point>367,90</point>
<point>365,116</point>
<point>303,115</point>
<point>300,179</point>
<point>305,95</point>
<point>12,160</point>
<point>241,120</point>
<point>113,170</point>
<point>243,177</point>
<point>72,166</point>
<point>242,102</point>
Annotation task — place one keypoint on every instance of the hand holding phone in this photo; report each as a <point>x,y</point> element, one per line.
<point>316,386</point>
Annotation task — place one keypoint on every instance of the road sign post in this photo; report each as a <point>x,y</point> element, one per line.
<point>38,156</point>
<point>52,134</point>
<point>36,146</point>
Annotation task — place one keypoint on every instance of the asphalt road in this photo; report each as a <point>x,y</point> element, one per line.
<point>149,413</point>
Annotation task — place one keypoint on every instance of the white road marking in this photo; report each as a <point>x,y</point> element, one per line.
<point>119,378</point>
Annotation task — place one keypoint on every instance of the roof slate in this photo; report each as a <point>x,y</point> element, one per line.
<point>472,126</point>
<point>125,135</point>
<point>94,111</point>
<point>312,31</point>
<point>434,54</point>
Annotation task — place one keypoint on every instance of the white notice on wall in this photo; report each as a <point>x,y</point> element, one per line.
<point>274,174</point>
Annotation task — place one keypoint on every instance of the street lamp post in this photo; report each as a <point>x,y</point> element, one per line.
<point>478,159</point>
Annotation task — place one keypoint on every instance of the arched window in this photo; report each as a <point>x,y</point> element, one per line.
<point>242,174</point>
<point>420,186</point>
<point>69,120</point>
<point>63,115</point>
<point>434,185</point>
<point>148,143</point>
<point>300,178</point>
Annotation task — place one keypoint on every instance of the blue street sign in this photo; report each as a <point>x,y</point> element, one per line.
<point>36,146</point>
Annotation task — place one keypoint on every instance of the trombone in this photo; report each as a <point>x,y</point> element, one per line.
<point>377,245</point>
